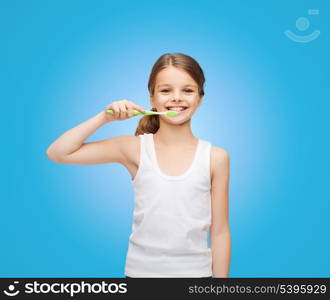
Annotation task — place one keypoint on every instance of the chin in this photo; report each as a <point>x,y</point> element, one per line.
<point>176,120</point>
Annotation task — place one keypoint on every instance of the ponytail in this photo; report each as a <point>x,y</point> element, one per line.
<point>148,124</point>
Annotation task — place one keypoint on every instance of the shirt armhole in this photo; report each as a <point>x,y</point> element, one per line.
<point>140,159</point>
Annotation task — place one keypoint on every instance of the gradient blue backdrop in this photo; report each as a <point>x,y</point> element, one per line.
<point>266,103</point>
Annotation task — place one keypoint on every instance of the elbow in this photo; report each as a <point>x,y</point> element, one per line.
<point>52,156</point>
<point>48,154</point>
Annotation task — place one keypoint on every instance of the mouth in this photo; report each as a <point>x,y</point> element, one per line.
<point>177,108</point>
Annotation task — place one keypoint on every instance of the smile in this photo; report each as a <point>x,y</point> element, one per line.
<point>177,108</point>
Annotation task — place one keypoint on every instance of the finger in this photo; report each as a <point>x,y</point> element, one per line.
<point>109,106</point>
<point>130,111</point>
<point>139,108</point>
<point>132,108</point>
<point>115,109</point>
<point>122,108</point>
<point>136,107</point>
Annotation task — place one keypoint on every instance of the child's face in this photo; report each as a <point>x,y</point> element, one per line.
<point>175,87</point>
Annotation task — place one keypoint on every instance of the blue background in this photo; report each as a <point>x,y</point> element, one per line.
<point>266,102</point>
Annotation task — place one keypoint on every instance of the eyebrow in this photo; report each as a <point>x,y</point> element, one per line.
<point>169,84</point>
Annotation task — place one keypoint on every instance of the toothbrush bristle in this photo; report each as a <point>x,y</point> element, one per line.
<point>172,113</point>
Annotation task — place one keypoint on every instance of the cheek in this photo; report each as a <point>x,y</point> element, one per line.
<point>159,101</point>
<point>161,96</point>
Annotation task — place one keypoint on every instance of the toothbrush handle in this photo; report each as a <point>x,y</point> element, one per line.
<point>135,112</point>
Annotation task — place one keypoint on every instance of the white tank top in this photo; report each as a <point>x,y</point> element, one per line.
<point>171,217</point>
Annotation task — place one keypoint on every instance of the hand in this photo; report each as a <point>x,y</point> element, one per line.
<point>122,110</point>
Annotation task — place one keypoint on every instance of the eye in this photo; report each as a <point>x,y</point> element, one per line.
<point>186,90</point>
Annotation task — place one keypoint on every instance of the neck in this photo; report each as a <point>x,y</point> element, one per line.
<point>175,135</point>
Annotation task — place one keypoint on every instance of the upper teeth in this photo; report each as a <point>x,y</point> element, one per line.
<point>176,108</point>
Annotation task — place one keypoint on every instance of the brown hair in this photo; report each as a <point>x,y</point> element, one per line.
<point>150,123</point>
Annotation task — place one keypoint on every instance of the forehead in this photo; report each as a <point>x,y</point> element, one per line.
<point>174,76</point>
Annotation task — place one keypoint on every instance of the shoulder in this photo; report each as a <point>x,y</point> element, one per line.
<point>129,142</point>
<point>130,139</point>
<point>220,159</point>
<point>219,155</point>
<point>130,146</point>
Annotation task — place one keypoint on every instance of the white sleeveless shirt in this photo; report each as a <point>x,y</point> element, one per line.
<point>171,218</point>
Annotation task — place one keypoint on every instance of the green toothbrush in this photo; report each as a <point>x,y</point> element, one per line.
<point>170,113</point>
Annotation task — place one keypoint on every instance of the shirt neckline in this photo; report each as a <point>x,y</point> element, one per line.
<point>170,177</point>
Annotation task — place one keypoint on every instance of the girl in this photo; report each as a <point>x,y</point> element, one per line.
<point>180,182</point>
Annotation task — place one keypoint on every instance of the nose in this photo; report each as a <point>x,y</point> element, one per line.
<point>176,96</point>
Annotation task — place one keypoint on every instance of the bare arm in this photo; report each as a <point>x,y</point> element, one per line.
<point>72,140</point>
<point>70,147</point>
<point>220,233</point>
